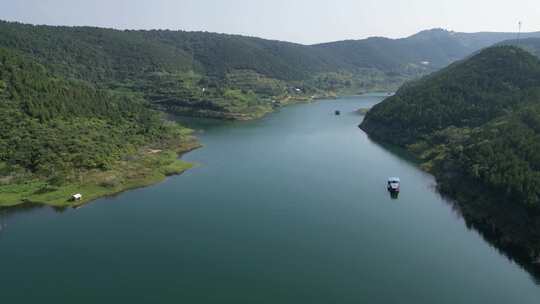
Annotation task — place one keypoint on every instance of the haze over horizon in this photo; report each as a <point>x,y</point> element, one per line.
<point>300,21</point>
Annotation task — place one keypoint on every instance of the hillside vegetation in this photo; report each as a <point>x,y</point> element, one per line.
<point>57,134</point>
<point>476,125</point>
<point>231,76</point>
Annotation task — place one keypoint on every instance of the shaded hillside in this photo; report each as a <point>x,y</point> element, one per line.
<point>476,125</point>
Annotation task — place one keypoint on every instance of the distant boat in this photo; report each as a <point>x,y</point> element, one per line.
<point>393,184</point>
<point>338,112</point>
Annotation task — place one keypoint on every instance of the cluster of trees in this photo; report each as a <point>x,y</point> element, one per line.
<point>505,156</point>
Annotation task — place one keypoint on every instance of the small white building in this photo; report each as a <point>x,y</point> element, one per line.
<point>76,197</point>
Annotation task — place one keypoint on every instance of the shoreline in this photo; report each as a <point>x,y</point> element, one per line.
<point>136,174</point>
<point>484,212</point>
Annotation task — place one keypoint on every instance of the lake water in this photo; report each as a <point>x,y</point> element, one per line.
<point>291,208</point>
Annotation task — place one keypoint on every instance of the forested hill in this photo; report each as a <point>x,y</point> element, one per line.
<point>466,94</point>
<point>233,76</point>
<point>187,72</point>
<point>98,54</point>
<point>57,133</point>
<point>476,125</point>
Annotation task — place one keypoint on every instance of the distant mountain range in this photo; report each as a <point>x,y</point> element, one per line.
<point>98,54</point>
<point>430,49</point>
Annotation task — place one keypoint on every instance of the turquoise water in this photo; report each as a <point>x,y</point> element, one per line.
<point>288,209</point>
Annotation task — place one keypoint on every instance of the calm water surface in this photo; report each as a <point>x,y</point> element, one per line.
<point>288,209</point>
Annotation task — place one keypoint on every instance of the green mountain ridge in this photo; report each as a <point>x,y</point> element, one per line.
<point>208,74</point>
<point>476,126</point>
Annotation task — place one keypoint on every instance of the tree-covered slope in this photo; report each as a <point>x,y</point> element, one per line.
<point>55,132</point>
<point>466,94</point>
<point>476,125</point>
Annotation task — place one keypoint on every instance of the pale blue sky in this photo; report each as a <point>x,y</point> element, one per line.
<point>303,21</point>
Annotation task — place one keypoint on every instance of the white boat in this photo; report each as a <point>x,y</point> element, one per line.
<point>393,184</point>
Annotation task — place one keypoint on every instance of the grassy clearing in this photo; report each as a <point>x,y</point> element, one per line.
<point>144,169</point>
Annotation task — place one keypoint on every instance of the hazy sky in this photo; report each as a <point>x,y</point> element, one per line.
<point>304,21</point>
